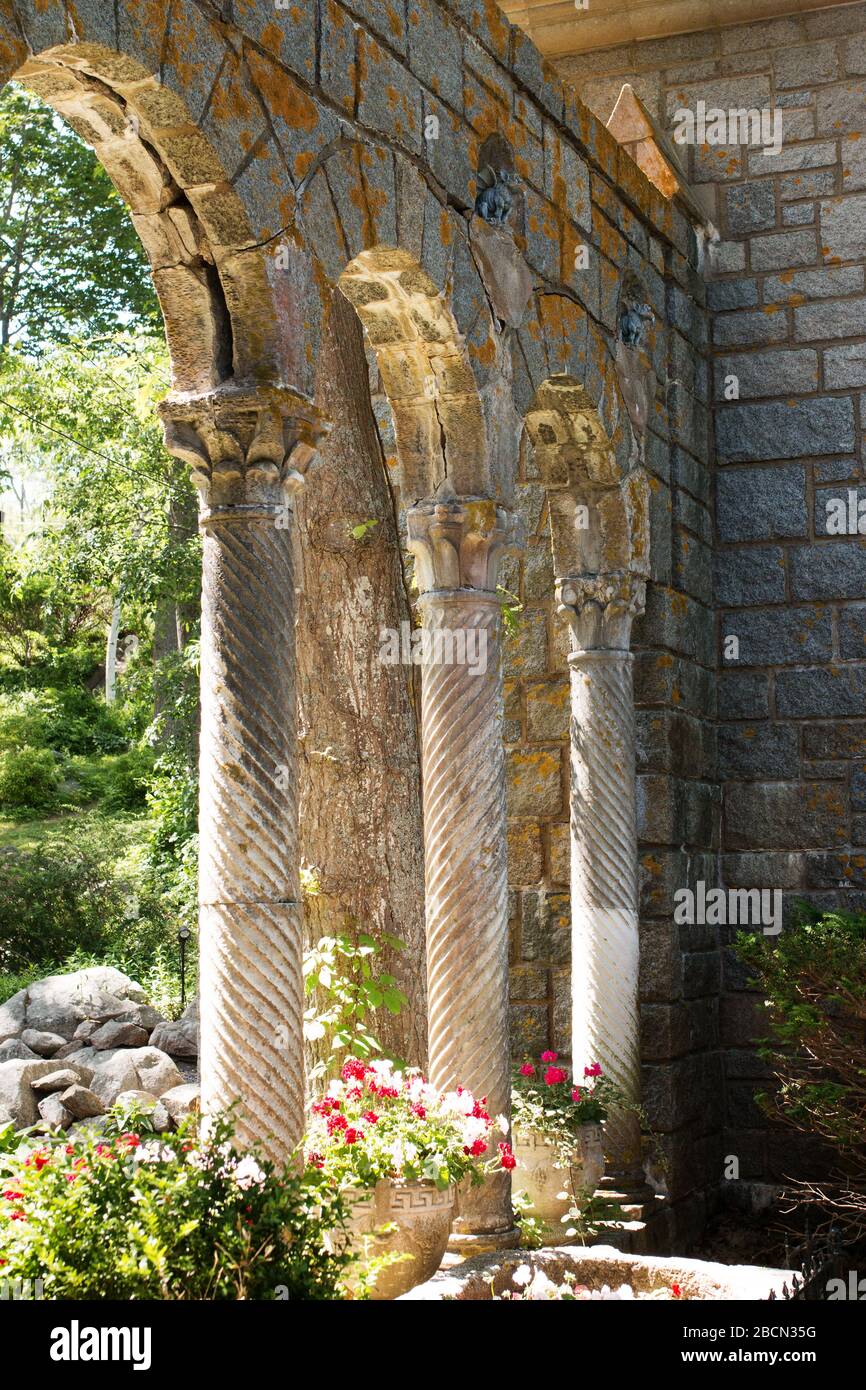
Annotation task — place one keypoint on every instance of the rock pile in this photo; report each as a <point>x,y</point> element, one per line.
<point>71,1046</point>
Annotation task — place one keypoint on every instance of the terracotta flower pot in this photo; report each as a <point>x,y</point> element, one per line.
<point>422,1214</point>
<point>542,1176</point>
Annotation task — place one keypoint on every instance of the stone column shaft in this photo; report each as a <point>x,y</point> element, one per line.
<point>604,883</point>
<point>240,447</point>
<point>457,547</point>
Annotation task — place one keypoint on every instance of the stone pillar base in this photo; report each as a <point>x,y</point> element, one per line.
<point>483,1242</point>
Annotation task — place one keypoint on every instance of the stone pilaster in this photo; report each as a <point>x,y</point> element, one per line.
<point>457,546</point>
<point>604,866</point>
<point>247,451</point>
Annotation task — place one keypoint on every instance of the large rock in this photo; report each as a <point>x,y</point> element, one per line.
<point>143,1014</point>
<point>178,1039</point>
<point>60,1002</point>
<point>118,1034</point>
<point>128,1069</point>
<point>43,1044</point>
<point>16,1092</point>
<point>14,1050</point>
<point>82,1103</point>
<point>60,1080</point>
<point>181,1101</point>
<point>54,1112</point>
<point>12,1016</point>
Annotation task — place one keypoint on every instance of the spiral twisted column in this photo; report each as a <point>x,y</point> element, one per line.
<point>457,545</point>
<point>604,884</point>
<point>247,451</point>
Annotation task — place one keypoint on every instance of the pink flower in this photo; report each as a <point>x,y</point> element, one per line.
<point>352,1136</point>
<point>506,1157</point>
<point>554,1075</point>
<point>527,1069</point>
<point>577,1095</point>
<point>353,1069</point>
<point>549,1056</point>
<point>594,1070</point>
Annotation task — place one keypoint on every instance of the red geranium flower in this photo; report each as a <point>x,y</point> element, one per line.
<point>554,1075</point>
<point>353,1135</point>
<point>549,1056</point>
<point>527,1069</point>
<point>353,1069</point>
<point>506,1157</point>
<point>594,1070</point>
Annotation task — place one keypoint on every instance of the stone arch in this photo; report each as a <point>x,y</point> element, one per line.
<point>599,515</point>
<point>209,271</point>
<point>367,223</point>
<point>434,399</point>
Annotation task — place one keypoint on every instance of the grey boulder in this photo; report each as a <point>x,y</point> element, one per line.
<point>81,1102</point>
<point>118,1034</point>
<point>43,1044</point>
<point>54,1112</point>
<point>13,1049</point>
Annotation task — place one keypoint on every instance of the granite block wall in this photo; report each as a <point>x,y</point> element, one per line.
<point>788,388</point>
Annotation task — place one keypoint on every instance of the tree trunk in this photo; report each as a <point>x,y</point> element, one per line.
<point>360,782</point>
<point>111,653</point>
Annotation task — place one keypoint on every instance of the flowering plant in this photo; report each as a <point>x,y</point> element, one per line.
<point>126,1215</point>
<point>547,1100</point>
<point>377,1122</point>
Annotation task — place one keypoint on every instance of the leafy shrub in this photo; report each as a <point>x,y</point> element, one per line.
<point>29,778</point>
<point>174,1217</point>
<point>67,718</point>
<point>813,978</point>
<point>119,782</point>
<point>56,900</point>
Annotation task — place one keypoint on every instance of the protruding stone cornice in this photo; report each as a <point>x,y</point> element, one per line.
<point>248,448</point>
<point>458,542</point>
<point>600,609</point>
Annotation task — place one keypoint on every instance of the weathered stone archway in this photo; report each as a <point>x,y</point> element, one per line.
<point>269,157</point>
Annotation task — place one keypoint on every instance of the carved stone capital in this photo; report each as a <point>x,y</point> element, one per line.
<point>248,448</point>
<point>600,609</point>
<point>459,542</point>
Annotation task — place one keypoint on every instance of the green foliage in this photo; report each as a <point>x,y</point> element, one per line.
<point>174,1217</point>
<point>511,611</point>
<point>813,978</point>
<point>344,987</point>
<point>118,783</point>
<point>68,719</point>
<point>56,900</point>
<point>70,257</point>
<point>29,778</point>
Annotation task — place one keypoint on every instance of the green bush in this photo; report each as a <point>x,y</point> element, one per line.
<point>813,979</point>
<point>128,1216</point>
<point>68,719</point>
<point>56,900</point>
<point>119,782</point>
<point>29,778</point>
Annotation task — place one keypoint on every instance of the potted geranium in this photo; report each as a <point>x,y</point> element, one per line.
<point>396,1148</point>
<point>558,1137</point>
